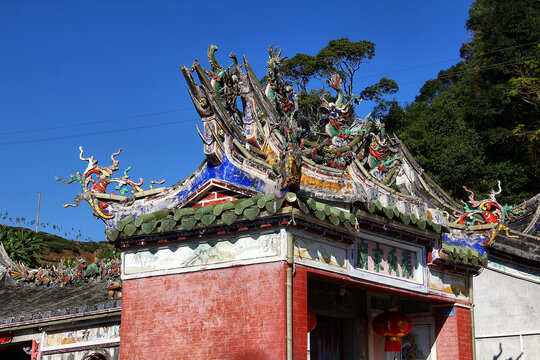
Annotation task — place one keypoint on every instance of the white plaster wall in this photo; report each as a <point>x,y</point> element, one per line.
<point>506,307</point>
<point>503,348</point>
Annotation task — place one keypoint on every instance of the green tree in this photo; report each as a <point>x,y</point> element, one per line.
<point>346,57</point>
<point>301,69</point>
<point>340,56</point>
<point>108,252</point>
<point>526,81</point>
<point>22,245</point>
<point>475,124</point>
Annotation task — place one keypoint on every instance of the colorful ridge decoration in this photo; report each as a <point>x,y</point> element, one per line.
<point>102,270</point>
<point>489,212</point>
<point>265,129</point>
<point>95,180</point>
<point>348,172</point>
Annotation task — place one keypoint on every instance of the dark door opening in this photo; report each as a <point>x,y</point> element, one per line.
<point>19,351</point>
<point>341,332</point>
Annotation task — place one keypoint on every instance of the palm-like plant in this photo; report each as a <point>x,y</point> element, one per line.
<point>22,245</point>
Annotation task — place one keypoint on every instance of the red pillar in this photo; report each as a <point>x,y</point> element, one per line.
<point>300,314</point>
<point>453,329</point>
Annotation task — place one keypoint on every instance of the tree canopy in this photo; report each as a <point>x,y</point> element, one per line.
<point>22,245</point>
<point>43,249</point>
<point>478,121</point>
<point>340,56</point>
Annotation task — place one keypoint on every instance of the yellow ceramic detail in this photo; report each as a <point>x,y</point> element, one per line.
<point>320,184</point>
<point>98,210</point>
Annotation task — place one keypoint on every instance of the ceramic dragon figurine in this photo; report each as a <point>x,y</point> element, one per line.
<point>283,97</point>
<point>339,128</point>
<point>225,82</point>
<point>488,211</point>
<point>95,179</point>
<point>277,91</point>
<point>383,153</point>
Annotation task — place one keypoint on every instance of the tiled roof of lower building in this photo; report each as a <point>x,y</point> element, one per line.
<point>23,304</point>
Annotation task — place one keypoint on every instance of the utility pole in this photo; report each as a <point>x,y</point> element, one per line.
<point>38,203</point>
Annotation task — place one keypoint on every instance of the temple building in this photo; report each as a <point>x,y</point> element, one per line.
<point>280,246</point>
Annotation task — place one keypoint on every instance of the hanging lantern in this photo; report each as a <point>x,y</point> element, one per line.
<point>393,326</point>
<point>311,320</point>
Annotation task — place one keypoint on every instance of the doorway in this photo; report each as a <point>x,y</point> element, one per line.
<point>341,332</point>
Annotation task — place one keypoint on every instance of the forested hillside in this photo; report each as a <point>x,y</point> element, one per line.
<point>479,121</point>
<point>41,249</point>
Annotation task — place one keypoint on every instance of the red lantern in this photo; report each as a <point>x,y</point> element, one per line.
<point>311,320</point>
<point>5,338</point>
<point>393,326</point>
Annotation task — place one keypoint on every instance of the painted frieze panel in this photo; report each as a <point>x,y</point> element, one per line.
<point>390,262</point>
<point>320,253</point>
<point>449,284</point>
<point>82,337</point>
<point>192,256</point>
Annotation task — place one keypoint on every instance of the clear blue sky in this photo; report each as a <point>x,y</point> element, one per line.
<point>87,73</point>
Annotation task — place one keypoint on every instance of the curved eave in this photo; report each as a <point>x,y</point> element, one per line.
<point>226,214</point>
<point>268,209</point>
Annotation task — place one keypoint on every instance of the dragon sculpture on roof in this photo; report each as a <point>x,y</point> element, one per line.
<point>95,180</point>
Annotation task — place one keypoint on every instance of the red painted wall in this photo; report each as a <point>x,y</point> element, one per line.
<point>454,340</point>
<point>236,313</point>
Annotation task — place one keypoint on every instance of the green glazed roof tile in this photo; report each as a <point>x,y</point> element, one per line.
<point>121,223</point>
<point>229,217</point>
<point>304,207</point>
<point>112,234</point>
<point>130,229</point>
<point>463,255</point>
<point>250,209</point>
<point>178,214</point>
<point>320,214</point>
<point>208,218</point>
<point>389,213</point>
<point>219,208</point>
<point>274,205</point>
<point>261,203</point>
<point>149,227</point>
<point>405,218</point>
<point>201,211</point>
<point>167,224</point>
<point>334,219</point>
<point>251,212</point>
<point>188,222</point>
<point>239,209</point>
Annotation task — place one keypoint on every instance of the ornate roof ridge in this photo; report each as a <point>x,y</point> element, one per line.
<point>256,143</point>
